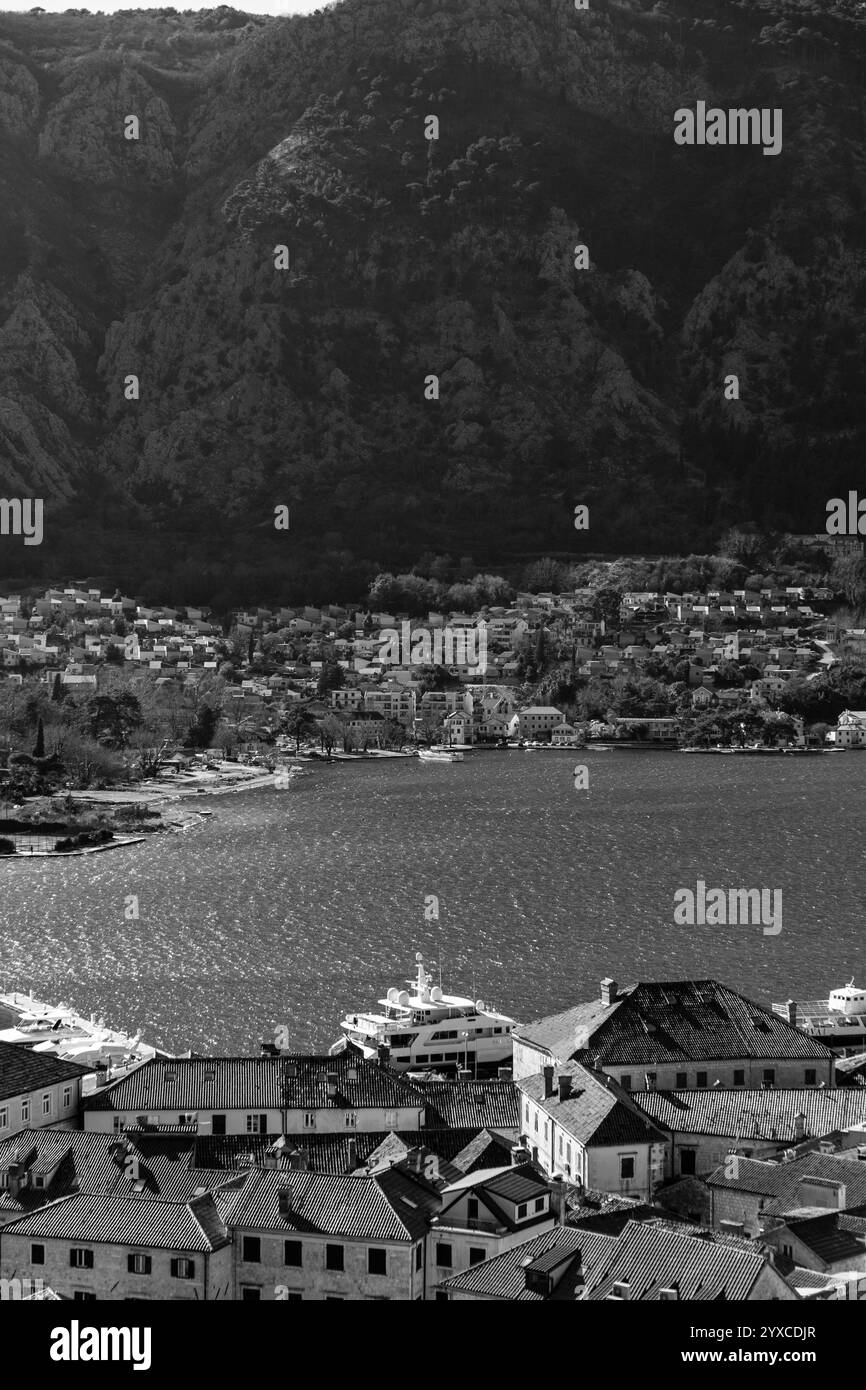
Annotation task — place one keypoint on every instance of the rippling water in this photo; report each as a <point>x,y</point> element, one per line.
<point>289,907</point>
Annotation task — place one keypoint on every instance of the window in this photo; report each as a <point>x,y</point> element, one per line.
<point>521,1211</point>
<point>539,1203</point>
<point>476,1255</point>
<point>351,1119</point>
<point>422,1057</point>
<point>568,1153</point>
<point>118,1123</point>
<point>80,1259</point>
<point>811,1077</point>
<point>4,1117</point>
<point>81,1297</point>
<point>769,1076</point>
<point>257,1124</point>
<point>186,1119</point>
<point>536,1122</point>
<point>46,1103</point>
<point>651,1078</point>
<point>310,1119</point>
<point>141,1120</point>
<point>294,1297</point>
<point>25,1112</point>
<point>183,1269</point>
<point>67,1097</point>
<point>526,1111</point>
<point>472,1208</point>
<point>626,1166</point>
<point>252,1250</point>
<point>334,1257</point>
<point>377,1261</point>
<point>700,1080</point>
<point>218,1124</point>
<point>687,1162</point>
<point>293,1253</point>
<point>625,1082</point>
<point>546,1128</point>
<point>739,1076</point>
<point>443,1255</point>
<point>138,1264</point>
<point>441,1296</point>
<point>682,1081</point>
<point>37,1254</point>
<point>250,1293</point>
<point>419,1256</point>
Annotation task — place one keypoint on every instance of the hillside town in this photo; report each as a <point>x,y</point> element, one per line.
<point>142,685</point>
<point>667,1140</point>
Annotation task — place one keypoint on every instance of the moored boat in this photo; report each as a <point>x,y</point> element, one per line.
<point>423,1028</point>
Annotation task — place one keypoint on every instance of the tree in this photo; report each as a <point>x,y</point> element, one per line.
<point>39,746</point>
<point>848,576</point>
<point>330,732</point>
<point>331,677</point>
<point>57,689</point>
<point>743,543</point>
<point>298,722</point>
<point>201,733</point>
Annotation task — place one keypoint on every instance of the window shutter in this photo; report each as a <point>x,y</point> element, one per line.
<point>174,1267</point>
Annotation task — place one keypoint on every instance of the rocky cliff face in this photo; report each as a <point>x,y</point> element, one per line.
<point>411,258</point>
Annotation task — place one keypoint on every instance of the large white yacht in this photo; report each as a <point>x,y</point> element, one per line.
<point>424,1028</point>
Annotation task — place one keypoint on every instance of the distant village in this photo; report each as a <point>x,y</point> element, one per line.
<point>716,668</point>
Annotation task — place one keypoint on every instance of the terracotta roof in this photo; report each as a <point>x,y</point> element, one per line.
<point>98,1219</point>
<point>781,1181</point>
<point>469,1104</point>
<point>22,1070</point>
<point>834,1237</point>
<point>597,1113</point>
<point>388,1206</point>
<point>256,1083</point>
<point>673,1021</point>
<point>757,1114</point>
<point>652,1257</point>
<point>82,1161</point>
<point>503,1277</point>
<point>329,1153</point>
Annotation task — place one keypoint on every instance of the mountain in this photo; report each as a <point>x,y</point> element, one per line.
<point>410,258</point>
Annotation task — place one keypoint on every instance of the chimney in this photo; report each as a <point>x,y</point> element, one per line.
<point>564,1086</point>
<point>504,1073</point>
<point>608,992</point>
<point>353,1156</point>
<point>557,1198</point>
<point>548,1082</point>
<point>518,1155</point>
<point>799,1128</point>
<point>285,1197</point>
<point>464,1074</point>
<point>101,1070</point>
<point>791,1011</point>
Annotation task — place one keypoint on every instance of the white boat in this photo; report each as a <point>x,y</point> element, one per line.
<point>439,755</point>
<point>425,1028</point>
